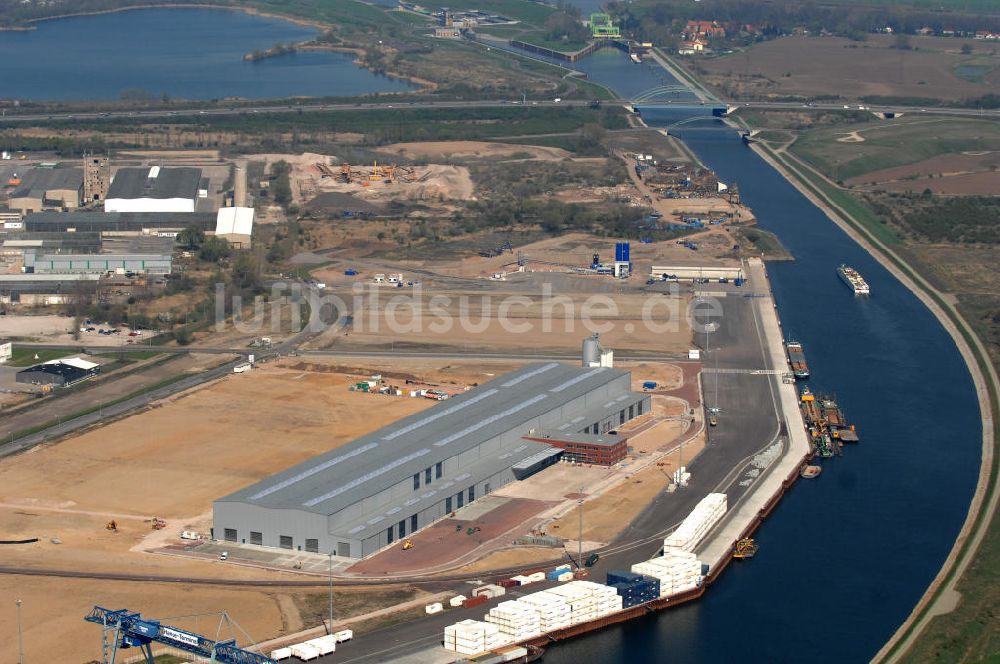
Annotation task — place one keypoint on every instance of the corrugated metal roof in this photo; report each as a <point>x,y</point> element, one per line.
<point>131,183</point>
<point>370,464</point>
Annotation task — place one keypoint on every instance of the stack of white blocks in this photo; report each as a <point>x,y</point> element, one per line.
<point>693,529</point>
<point>553,612</point>
<point>517,620</point>
<point>678,571</point>
<point>471,637</point>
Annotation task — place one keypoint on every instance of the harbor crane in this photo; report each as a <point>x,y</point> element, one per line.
<point>124,629</point>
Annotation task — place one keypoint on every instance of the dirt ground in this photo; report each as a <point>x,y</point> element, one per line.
<point>103,389</point>
<point>811,66</point>
<point>473,149</point>
<point>53,610</point>
<point>172,461</point>
<point>430,183</point>
<point>35,327</point>
<point>957,174</point>
<point>532,322</point>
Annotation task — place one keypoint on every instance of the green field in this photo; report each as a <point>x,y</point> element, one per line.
<point>893,143</point>
<point>390,124</point>
<point>25,357</point>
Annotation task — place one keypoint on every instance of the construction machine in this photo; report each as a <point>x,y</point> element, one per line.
<point>745,548</point>
<point>111,525</point>
<point>407,545</point>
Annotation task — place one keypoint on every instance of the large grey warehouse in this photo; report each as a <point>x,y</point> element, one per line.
<point>359,498</point>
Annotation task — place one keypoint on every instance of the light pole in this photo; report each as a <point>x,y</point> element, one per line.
<point>580,537</point>
<point>331,591</point>
<point>20,644</point>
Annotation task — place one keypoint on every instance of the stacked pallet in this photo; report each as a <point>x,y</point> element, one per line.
<point>693,529</point>
<point>553,612</point>
<point>677,572</point>
<point>471,637</point>
<point>517,620</point>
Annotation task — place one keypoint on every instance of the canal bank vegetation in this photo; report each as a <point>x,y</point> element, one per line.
<point>315,131</point>
<point>970,631</point>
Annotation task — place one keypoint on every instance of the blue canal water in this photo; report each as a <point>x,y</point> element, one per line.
<point>187,53</point>
<point>844,558</point>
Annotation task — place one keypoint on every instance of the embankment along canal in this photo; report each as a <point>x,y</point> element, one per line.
<point>845,558</point>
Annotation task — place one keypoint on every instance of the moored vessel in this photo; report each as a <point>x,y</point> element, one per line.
<point>797,360</point>
<point>854,280</point>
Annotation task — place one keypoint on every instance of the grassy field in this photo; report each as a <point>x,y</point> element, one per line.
<point>382,125</point>
<point>25,357</point>
<point>815,67</point>
<point>837,152</point>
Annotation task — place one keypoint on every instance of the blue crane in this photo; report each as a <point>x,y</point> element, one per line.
<point>132,631</point>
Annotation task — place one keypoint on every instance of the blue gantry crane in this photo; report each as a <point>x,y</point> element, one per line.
<point>127,629</point>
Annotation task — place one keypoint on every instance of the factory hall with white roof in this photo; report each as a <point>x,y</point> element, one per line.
<point>361,497</point>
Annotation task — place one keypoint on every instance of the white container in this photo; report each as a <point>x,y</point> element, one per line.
<point>281,653</point>
<point>456,601</point>
<point>564,577</point>
<point>433,608</point>
<point>347,634</point>
<point>324,644</point>
<point>537,577</point>
<point>304,651</point>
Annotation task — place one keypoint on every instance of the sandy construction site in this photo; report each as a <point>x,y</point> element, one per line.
<point>315,174</point>
<point>173,459</point>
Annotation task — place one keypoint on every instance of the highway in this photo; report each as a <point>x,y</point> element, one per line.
<point>315,107</point>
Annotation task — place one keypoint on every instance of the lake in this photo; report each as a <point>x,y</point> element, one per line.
<point>185,53</point>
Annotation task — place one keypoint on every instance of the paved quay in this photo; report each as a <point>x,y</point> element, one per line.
<point>795,447</point>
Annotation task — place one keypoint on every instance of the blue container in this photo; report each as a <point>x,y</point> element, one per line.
<point>617,576</point>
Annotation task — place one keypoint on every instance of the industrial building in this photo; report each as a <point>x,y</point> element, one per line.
<point>603,449</point>
<point>154,189</point>
<point>64,372</point>
<point>48,189</point>
<point>119,223</point>
<point>97,263</point>
<point>235,225</point>
<point>45,289</point>
<point>96,176</point>
<point>695,272</point>
<point>359,498</point>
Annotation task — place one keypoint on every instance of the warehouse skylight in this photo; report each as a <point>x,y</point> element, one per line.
<point>531,374</point>
<point>489,420</point>
<point>312,471</point>
<point>358,481</point>
<point>439,414</point>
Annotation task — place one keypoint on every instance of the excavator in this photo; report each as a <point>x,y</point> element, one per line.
<point>111,525</point>
<point>407,545</point>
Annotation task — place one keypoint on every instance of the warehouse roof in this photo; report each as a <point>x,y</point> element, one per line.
<point>69,373</point>
<point>117,221</point>
<point>39,180</point>
<point>234,221</point>
<point>328,483</point>
<point>155,182</point>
